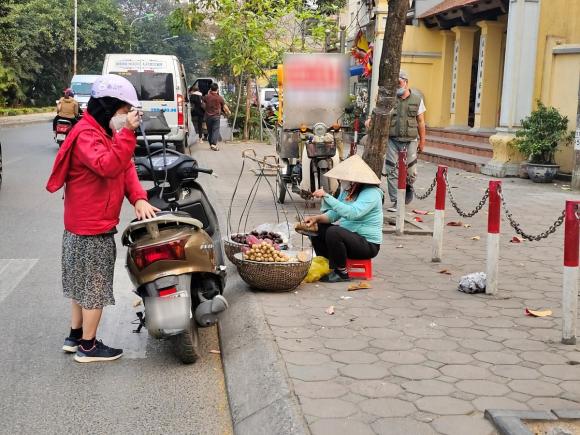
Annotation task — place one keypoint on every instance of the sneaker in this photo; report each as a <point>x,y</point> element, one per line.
<point>99,352</point>
<point>214,147</point>
<point>70,344</point>
<point>335,277</point>
<point>393,208</point>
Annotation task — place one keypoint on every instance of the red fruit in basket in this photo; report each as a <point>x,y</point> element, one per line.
<point>252,240</point>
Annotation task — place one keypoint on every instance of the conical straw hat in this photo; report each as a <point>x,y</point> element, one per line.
<point>354,169</point>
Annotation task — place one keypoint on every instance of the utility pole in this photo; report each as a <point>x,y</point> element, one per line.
<point>388,70</point>
<point>342,39</point>
<point>75,43</point>
<point>576,171</point>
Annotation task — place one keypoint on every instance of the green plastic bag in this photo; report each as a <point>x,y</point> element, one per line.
<point>319,268</point>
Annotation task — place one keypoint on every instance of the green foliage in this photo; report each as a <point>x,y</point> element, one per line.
<point>541,134</point>
<point>13,111</point>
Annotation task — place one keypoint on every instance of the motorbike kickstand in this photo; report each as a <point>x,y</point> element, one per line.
<point>141,320</point>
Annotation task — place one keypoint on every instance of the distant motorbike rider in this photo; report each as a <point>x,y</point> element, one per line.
<point>67,108</point>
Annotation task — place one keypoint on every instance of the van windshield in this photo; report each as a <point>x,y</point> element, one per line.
<point>81,88</point>
<point>268,95</point>
<point>150,86</point>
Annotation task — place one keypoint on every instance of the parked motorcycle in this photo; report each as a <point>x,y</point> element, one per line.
<point>317,154</point>
<point>63,128</point>
<point>176,260</point>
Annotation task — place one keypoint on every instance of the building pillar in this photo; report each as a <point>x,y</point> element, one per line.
<point>445,75</point>
<point>461,75</point>
<point>520,62</point>
<point>488,75</point>
<point>518,86</point>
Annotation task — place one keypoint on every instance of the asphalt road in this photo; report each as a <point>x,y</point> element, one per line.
<point>42,390</point>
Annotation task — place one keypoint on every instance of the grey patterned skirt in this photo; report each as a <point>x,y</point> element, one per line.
<point>88,264</point>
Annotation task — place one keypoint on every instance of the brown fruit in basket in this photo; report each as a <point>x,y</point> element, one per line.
<point>302,257</point>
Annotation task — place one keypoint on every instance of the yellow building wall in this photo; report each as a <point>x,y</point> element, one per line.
<point>557,75</point>
<point>421,59</point>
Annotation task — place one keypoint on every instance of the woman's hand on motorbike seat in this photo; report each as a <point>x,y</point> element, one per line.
<point>320,193</point>
<point>310,220</point>
<point>144,210</point>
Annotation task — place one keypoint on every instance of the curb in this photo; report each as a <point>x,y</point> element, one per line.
<point>261,399</point>
<point>35,118</point>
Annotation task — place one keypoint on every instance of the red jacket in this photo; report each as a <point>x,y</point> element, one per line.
<point>98,172</point>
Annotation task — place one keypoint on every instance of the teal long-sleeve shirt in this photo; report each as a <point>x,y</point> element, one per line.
<point>363,216</point>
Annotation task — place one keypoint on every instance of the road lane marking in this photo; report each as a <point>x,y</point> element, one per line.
<point>12,271</point>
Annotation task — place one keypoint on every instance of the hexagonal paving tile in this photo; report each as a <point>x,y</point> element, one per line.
<point>444,405</point>
<point>414,372</point>
<point>483,403</point>
<point>393,344</point>
<point>523,344</point>
<point>464,371</point>
<point>346,343</point>
<point>402,357</point>
<point>381,333</point>
<point>481,345</point>
<point>483,388</point>
<point>327,408</point>
<point>535,388</point>
<point>306,358</point>
<point>563,372</point>
<point>436,344</point>
<point>314,373</point>
<point>319,390</point>
<point>387,407</point>
<point>463,425</point>
<point>449,357</point>
<point>515,372</point>
<point>364,371</point>
<point>354,357</point>
<point>429,387</point>
<point>401,426</point>
<point>336,333</point>
<point>497,357</point>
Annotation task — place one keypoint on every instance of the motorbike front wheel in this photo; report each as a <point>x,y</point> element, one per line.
<point>186,344</point>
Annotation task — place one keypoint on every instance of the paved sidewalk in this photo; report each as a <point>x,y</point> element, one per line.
<point>413,355</point>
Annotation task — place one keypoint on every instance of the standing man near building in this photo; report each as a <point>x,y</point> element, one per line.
<point>214,105</point>
<point>407,123</point>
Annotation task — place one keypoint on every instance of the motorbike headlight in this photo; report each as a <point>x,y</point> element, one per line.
<point>319,129</point>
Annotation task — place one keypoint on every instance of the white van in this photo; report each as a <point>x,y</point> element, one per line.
<point>82,84</point>
<point>160,84</point>
<point>266,94</point>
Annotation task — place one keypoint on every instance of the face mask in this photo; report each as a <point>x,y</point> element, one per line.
<point>345,185</point>
<point>400,92</point>
<point>117,122</point>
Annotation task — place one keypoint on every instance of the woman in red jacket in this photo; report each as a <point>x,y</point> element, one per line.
<point>95,166</point>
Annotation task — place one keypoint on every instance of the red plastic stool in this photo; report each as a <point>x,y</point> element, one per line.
<point>360,268</point>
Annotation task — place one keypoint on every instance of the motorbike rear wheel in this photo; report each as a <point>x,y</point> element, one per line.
<point>186,344</point>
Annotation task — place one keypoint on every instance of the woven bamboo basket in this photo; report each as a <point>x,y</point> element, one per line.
<point>269,276</point>
<point>232,248</point>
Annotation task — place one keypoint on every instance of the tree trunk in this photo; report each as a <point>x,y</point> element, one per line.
<point>388,70</point>
<point>248,104</point>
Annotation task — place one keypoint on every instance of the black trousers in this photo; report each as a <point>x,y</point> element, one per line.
<point>197,121</point>
<point>213,129</point>
<point>337,244</point>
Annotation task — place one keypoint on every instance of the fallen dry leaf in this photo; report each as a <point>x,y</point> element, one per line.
<point>466,225</point>
<point>445,272</point>
<point>430,213</point>
<point>538,313</point>
<point>475,238</point>
<point>399,246</point>
<point>421,212</point>
<point>455,224</point>
<point>216,352</point>
<point>330,310</point>
<point>345,298</point>
<point>137,302</point>
<point>361,285</point>
<point>516,239</point>
<point>418,219</point>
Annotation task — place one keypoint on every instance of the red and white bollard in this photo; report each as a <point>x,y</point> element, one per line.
<point>570,281</point>
<point>493,227</point>
<point>401,193</point>
<point>439,223</point>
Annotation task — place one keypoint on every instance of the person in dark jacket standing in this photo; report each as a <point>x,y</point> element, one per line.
<point>197,110</point>
<point>214,106</point>
<point>95,165</point>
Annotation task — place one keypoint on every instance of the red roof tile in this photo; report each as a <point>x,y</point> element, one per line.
<point>446,5</point>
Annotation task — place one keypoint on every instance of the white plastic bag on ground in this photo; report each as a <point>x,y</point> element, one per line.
<point>473,283</point>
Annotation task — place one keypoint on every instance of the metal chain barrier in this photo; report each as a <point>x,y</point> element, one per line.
<point>461,213</point>
<point>427,192</point>
<point>551,230</point>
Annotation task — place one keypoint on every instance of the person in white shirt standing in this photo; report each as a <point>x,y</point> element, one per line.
<point>407,124</point>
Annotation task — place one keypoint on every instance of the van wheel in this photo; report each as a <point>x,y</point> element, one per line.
<point>186,344</point>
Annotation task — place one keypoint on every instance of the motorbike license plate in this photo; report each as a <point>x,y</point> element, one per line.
<point>61,137</point>
<point>169,312</point>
